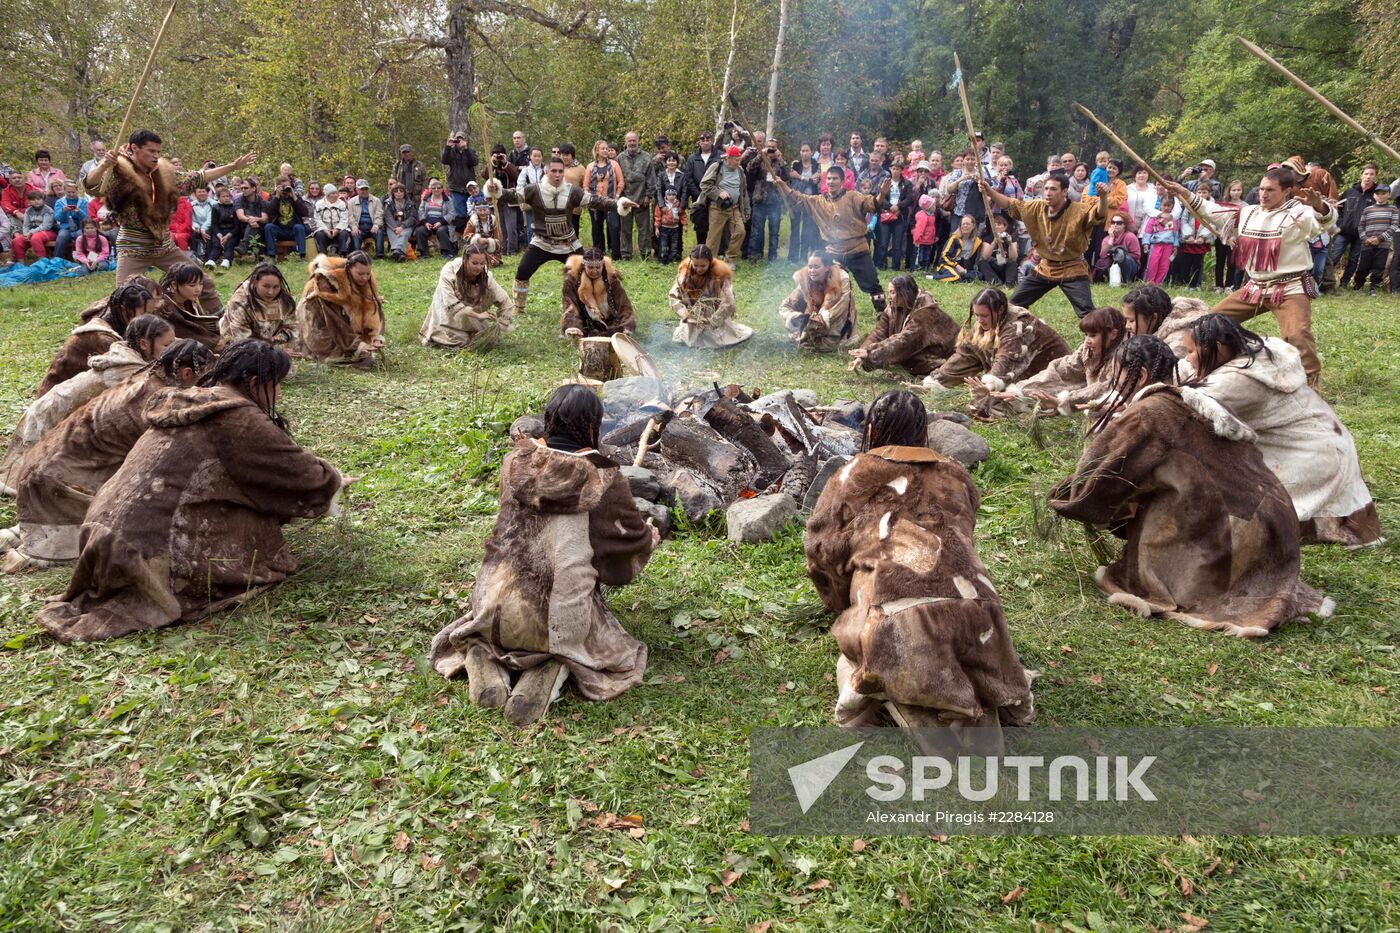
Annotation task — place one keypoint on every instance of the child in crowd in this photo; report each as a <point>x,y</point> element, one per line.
<point>1377,228</point>
<point>1160,236</point>
<point>69,212</point>
<point>224,230</point>
<point>36,231</point>
<point>201,224</point>
<point>925,231</point>
<point>1099,176</point>
<point>92,250</point>
<point>669,225</point>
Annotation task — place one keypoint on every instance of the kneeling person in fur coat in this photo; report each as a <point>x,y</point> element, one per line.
<point>820,313</point>
<point>470,310</point>
<point>594,302</point>
<point>340,316</point>
<point>1211,537</point>
<point>567,526</point>
<point>703,298</point>
<point>890,547</point>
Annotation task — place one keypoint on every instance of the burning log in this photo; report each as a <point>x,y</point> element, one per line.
<point>738,426</point>
<point>691,443</point>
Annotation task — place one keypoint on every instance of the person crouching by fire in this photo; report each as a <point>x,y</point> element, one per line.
<point>703,298</point>
<point>567,526</point>
<point>594,302</point>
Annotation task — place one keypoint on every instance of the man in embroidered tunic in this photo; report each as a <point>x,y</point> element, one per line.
<point>1272,249</point>
<point>142,189</point>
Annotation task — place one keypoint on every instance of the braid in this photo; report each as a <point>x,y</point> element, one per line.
<point>1150,302</point>
<point>993,299</point>
<point>1211,331</point>
<point>124,300</point>
<point>246,362</point>
<point>896,419</point>
<point>145,327</point>
<point>1132,357</point>
<point>181,354</point>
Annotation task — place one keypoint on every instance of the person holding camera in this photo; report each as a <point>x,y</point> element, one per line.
<point>461,161</point>
<point>765,204</point>
<point>726,193</point>
<point>287,216</point>
<point>1000,259</point>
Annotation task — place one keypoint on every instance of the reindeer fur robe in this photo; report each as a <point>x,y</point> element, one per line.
<point>339,322</point>
<point>192,522</point>
<point>705,304</point>
<point>918,339</point>
<point>567,526</point>
<point>596,307</point>
<point>821,318</point>
<point>1212,540</point>
<point>921,631</point>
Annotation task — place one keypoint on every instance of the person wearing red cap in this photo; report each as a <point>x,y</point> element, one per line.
<point>726,192</point>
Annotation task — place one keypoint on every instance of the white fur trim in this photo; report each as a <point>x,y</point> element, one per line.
<point>1062,403</point>
<point>899,484</point>
<point>493,188</point>
<point>1211,625</point>
<point>896,606</point>
<point>965,588</point>
<point>845,473</point>
<point>1132,603</point>
<point>1327,609</point>
<point>1016,390</point>
<point>1221,420</point>
<point>987,635</point>
<point>885,525</point>
<point>993,383</point>
<point>624,206</point>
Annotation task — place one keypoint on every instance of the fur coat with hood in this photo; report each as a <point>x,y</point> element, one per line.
<point>189,320</point>
<point>918,339</point>
<point>449,322</point>
<point>192,521</point>
<point>821,318</point>
<point>597,307</point>
<point>1211,538</point>
<point>92,337</point>
<point>920,626</point>
<point>246,315</point>
<point>1303,442</point>
<point>1080,378</point>
<point>1173,328</point>
<point>1020,346</point>
<point>338,320</point>
<point>567,527</point>
<point>705,304</point>
<point>118,364</point>
<point>60,474</point>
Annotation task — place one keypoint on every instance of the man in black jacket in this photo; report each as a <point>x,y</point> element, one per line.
<point>287,215</point>
<point>1354,200</point>
<point>696,166</point>
<point>461,162</point>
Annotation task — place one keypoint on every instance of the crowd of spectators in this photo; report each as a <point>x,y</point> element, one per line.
<point>934,219</point>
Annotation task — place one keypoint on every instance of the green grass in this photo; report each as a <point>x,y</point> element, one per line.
<point>293,765</point>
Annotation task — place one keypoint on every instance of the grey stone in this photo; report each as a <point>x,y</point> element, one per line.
<point>633,392</point>
<point>836,441</point>
<point>695,498</point>
<point>851,414</point>
<point>643,483</point>
<point>824,475</point>
<point>953,440</point>
<point>805,397</point>
<point>527,426</point>
<point>660,515</point>
<point>753,520</point>
<point>956,417</point>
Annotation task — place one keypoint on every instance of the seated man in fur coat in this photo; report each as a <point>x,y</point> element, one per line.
<point>594,304</point>
<point>142,189</point>
<point>890,547</point>
<point>340,315</point>
<point>820,313</point>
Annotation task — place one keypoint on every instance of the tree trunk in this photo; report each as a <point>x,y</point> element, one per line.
<point>458,57</point>
<point>777,68</point>
<point>728,71</point>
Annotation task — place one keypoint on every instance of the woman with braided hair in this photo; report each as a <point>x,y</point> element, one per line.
<point>191,523</point>
<point>58,476</point>
<point>182,288</point>
<point>1211,538</point>
<point>103,324</point>
<point>1261,380</point>
<point>890,548</point>
<point>146,338</point>
<point>262,306</point>
<point>1148,309</point>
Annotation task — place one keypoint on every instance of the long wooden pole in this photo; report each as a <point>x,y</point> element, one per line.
<point>1156,176</point>
<point>490,174</point>
<point>1331,107</point>
<point>145,73</point>
<point>976,148</point>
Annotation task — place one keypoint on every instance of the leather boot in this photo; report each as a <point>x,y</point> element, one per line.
<point>519,293</point>
<point>534,691</point>
<point>487,684</point>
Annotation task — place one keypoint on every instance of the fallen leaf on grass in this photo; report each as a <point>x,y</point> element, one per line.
<point>903,899</point>
<point>1014,895</point>
<point>819,885</point>
<point>1096,679</point>
<point>401,841</point>
<point>1210,869</point>
<point>729,876</point>
<point>1194,924</point>
<point>761,927</point>
<point>858,845</point>
<point>1211,669</point>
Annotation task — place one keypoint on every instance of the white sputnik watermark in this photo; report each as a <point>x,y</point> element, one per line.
<point>1113,778</point>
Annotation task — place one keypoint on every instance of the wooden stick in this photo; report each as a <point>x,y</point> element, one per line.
<point>1156,175</point>
<point>1331,107</point>
<point>976,148</point>
<point>495,202</point>
<point>145,73</point>
<point>644,443</point>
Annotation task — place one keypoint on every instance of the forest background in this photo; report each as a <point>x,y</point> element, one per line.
<point>336,85</point>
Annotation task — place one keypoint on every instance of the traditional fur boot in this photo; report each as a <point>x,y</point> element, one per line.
<point>487,684</point>
<point>534,691</point>
<point>519,293</point>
